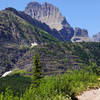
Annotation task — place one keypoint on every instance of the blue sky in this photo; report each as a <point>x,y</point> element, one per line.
<point>79,13</point>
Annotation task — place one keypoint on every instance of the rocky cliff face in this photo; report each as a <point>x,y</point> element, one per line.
<point>51,16</point>
<point>80,35</point>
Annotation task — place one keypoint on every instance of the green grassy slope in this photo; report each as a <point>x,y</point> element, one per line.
<point>56,87</point>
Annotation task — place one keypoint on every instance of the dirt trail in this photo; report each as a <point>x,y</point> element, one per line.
<point>90,95</point>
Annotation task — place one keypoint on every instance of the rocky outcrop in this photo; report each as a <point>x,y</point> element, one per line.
<point>80,35</point>
<point>80,32</point>
<point>96,38</point>
<point>50,15</point>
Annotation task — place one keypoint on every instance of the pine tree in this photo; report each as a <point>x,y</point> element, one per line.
<point>36,71</point>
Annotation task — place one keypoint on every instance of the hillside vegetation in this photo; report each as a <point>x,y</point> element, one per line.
<point>59,57</point>
<point>23,85</point>
<point>55,57</point>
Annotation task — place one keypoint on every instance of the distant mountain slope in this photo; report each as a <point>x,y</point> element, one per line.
<point>50,15</point>
<point>52,19</point>
<point>17,30</point>
<point>36,23</point>
<point>16,34</point>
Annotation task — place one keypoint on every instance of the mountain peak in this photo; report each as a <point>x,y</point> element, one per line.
<point>31,4</point>
<point>47,13</point>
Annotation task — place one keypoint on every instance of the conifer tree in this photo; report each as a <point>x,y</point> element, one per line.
<point>36,71</point>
